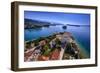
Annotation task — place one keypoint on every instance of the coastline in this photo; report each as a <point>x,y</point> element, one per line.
<point>82,52</point>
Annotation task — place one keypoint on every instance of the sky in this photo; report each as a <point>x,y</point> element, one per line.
<point>59,17</point>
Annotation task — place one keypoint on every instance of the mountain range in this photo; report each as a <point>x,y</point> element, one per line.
<point>29,23</point>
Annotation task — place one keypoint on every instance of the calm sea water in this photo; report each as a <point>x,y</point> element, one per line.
<point>81,34</point>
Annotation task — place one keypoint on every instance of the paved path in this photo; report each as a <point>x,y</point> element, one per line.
<point>61,53</point>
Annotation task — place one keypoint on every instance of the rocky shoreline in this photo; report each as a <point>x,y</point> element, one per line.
<point>59,46</point>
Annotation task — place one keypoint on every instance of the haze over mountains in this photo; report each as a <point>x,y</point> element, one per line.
<point>30,23</point>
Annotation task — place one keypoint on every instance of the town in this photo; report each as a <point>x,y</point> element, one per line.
<point>59,46</point>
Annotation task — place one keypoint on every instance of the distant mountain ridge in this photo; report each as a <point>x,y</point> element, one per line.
<point>78,25</point>
<point>29,23</point>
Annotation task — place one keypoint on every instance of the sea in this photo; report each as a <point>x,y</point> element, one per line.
<point>81,34</point>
